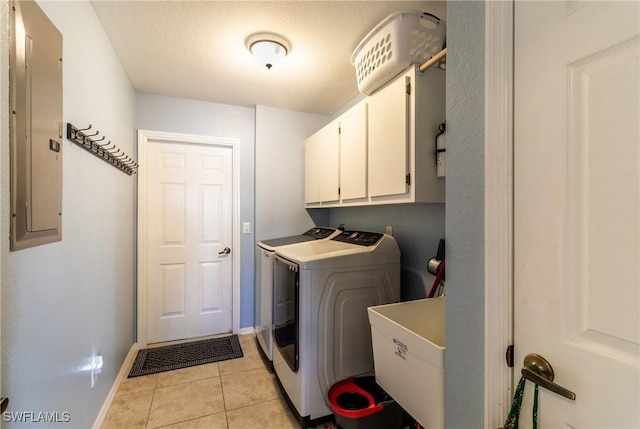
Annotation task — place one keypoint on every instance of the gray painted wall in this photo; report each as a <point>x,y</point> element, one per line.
<point>464,358</point>
<point>66,301</point>
<point>280,136</point>
<point>169,114</point>
<point>416,227</point>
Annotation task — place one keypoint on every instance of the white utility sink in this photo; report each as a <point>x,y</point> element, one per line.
<point>408,353</point>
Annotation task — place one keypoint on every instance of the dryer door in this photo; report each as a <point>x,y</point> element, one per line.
<point>286,294</point>
<point>264,301</point>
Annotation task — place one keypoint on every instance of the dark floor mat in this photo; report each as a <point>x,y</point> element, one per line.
<point>176,356</point>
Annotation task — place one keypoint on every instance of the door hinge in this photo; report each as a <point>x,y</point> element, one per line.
<point>407,179</point>
<point>409,88</point>
<point>509,356</point>
<point>338,190</point>
<point>339,130</point>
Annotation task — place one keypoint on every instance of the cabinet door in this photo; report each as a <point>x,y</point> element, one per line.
<point>329,160</point>
<point>311,168</point>
<point>353,153</point>
<point>322,165</point>
<point>389,139</point>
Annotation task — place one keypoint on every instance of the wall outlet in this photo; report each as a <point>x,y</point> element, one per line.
<point>246,227</point>
<point>389,230</point>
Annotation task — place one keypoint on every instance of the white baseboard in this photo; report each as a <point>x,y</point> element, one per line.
<point>246,331</point>
<point>122,374</point>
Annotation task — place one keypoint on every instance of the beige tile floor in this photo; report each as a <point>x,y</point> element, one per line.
<point>234,394</point>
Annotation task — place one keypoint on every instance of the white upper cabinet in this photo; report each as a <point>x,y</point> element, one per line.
<point>385,149</point>
<point>353,153</point>
<point>322,165</point>
<point>389,122</point>
<point>403,124</point>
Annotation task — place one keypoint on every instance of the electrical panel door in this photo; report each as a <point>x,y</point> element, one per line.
<point>36,127</point>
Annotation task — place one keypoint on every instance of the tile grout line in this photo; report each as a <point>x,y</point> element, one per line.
<point>192,419</point>
<point>253,404</point>
<point>153,396</point>
<point>224,401</point>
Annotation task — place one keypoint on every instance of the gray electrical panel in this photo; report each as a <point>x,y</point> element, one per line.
<point>35,72</point>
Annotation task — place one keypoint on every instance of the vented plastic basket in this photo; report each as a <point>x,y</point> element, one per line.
<point>403,38</point>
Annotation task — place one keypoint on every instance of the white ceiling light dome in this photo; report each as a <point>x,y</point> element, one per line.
<point>268,49</point>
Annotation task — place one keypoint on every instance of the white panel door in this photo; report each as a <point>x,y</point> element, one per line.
<point>577,208</point>
<point>189,225</point>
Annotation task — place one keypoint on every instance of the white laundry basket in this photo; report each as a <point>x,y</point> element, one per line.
<point>403,38</point>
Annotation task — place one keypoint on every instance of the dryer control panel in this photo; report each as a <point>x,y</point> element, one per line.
<point>359,237</point>
<point>319,233</point>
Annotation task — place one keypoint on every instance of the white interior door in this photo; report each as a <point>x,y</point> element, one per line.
<point>577,208</point>
<point>188,240</point>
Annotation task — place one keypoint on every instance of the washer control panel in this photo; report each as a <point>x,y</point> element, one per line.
<point>359,237</point>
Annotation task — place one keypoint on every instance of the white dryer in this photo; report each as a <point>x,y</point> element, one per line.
<point>263,303</point>
<point>321,332</point>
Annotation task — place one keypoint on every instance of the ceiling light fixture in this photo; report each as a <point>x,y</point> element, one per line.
<point>268,49</point>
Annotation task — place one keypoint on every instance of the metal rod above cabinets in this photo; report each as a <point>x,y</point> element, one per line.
<point>107,151</point>
<point>437,57</point>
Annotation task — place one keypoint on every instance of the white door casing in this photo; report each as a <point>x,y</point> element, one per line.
<point>194,183</point>
<point>577,207</point>
<point>498,205</point>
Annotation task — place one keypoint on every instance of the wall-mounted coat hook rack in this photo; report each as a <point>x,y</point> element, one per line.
<point>117,158</point>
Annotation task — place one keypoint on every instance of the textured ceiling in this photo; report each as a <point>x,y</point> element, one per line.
<point>196,49</point>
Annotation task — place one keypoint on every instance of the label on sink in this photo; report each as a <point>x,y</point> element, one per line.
<point>401,349</point>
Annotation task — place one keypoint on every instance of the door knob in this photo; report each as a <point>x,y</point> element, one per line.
<point>225,251</point>
<point>538,370</point>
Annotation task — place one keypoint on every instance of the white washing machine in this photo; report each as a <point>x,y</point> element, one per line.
<point>321,331</point>
<point>263,303</point>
